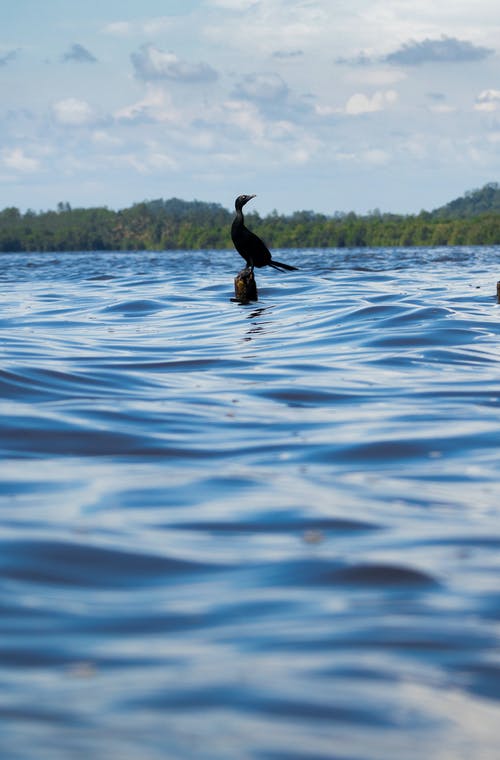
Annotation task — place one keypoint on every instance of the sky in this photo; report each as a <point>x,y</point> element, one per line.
<point>323,105</point>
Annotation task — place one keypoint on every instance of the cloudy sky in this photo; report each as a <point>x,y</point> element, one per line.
<point>312,104</point>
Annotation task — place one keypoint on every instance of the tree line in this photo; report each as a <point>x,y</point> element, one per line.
<point>175,224</point>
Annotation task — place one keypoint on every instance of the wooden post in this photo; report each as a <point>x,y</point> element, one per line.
<point>498,291</point>
<point>245,287</point>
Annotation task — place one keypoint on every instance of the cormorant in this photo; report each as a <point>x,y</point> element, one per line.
<point>248,245</point>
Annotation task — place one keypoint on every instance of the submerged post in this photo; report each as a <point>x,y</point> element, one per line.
<point>245,287</point>
<point>498,291</point>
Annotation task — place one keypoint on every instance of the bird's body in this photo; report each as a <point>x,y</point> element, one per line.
<point>250,246</point>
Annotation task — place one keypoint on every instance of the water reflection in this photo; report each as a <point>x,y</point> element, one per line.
<point>258,326</point>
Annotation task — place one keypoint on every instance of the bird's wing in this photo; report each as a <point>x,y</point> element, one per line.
<point>255,245</point>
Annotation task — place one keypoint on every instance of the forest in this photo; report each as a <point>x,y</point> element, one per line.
<point>174,224</point>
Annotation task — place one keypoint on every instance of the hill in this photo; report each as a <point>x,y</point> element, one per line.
<point>474,203</point>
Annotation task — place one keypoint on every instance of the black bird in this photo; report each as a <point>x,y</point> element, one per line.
<point>248,245</point>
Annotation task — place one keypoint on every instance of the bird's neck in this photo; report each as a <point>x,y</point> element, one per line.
<point>238,220</point>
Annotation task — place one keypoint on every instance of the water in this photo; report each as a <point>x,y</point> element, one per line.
<point>262,532</point>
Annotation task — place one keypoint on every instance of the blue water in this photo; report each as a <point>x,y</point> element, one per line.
<point>260,532</point>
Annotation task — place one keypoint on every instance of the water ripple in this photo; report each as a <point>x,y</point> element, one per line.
<point>250,531</point>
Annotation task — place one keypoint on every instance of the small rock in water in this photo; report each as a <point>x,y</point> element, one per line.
<point>245,287</point>
<point>313,536</point>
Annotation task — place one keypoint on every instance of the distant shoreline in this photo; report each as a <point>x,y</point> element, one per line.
<point>310,249</point>
<point>166,225</point>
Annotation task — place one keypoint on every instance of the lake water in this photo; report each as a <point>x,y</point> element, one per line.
<point>250,532</point>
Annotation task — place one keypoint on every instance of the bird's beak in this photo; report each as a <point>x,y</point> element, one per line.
<point>251,196</point>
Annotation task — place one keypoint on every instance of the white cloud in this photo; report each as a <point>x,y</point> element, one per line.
<point>160,161</point>
<point>16,159</point>
<point>442,50</point>
<point>276,25</point>
<point>381,29</point>
<point>370,156</point>
<point>415,146</point>
<point>202,139</point>
<point>245,116</point>
<point>159,25</point>
<point>303,150</point>
<point>282,129</point>
<point>150,63</point>
<point>149,27</point>
<point>79,54</point>
<point>324,110</point>
<point>359,103</point>
<point>376,156</point>
<point>267,86</point>
<point>155,106</point>
<point>488,100</point>
<point>118,29</point>
<point>149,160</point>
<point>73,112</point>
<point>342,155</point>
<point>443,108</point>
<point>103,138</point>
<point>375,77</point>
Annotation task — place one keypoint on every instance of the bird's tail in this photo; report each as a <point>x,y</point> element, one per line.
<point>279,266</point>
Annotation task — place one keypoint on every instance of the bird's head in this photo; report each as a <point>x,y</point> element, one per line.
<point>241,200</point>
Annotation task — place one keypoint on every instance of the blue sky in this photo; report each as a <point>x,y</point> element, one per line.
<point>312,104</point>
